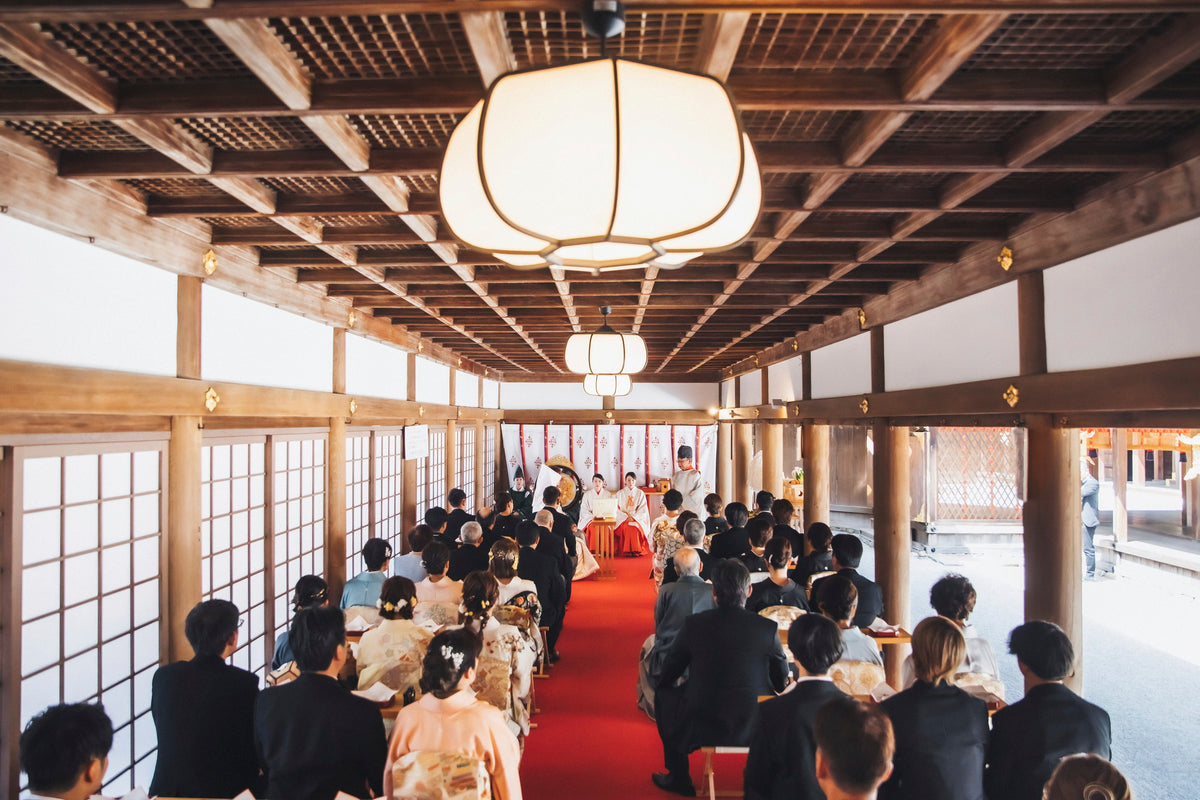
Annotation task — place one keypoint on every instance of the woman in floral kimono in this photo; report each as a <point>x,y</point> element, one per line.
<point>505,673</point>
<point>632,535</point>
<point>392,653</point>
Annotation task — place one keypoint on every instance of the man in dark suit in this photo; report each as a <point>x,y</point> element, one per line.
<point>762,505</point>
<point>693,537</point>
<point>314,737</point>
<point>847,555</point>
<point>560,533</point>
<point>436,519</point>
<point>734,542</point>
<point>783,511</point>
<point>544,572</point>
<point>203,713</point>
<point>470,556</point>
<point>1030,736</point>
<point>782,760</point>
<point>456,502</point>
<point>732,656</point>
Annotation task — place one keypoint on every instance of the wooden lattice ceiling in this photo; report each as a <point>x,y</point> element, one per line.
<point>893,141</point>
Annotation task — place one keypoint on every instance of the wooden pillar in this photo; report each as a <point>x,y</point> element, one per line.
<point>1138,467</point>
<point>772,461</point>
<point>188,291</point>
<point>410,389</point>
<point>480,466</point>
<point>816,473</point>
<point>1120,483</point>
<point>1191,505</point>
<point>183,531</point>
<point>725,462</point>
<point>764,390</point>
<point>335,479</point>
<point>408,497</point>
<point>893,536</point>
<point>453,400</point>
<point>743,453</point>
<point>451,459</point>
<point>1053,534</point>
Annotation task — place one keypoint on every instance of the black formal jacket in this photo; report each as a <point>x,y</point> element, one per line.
<point>544,572</point>
<point>670,574</point>
<point>203,711</point>
<point>502,526</point>
<point>315,739</point>
<point>554,547</point>
<point>767,593</point>
<point>941,738</point>
<point>465,559</point>
<point>730,544</point>
<point>782,764</point>
<point>734,656</point>
<point>1030,736</point>
<point>870,597</point>
<point>794,537</point>
<point>562,529</point>
<point>811,564</point>
<point>454,524</point>
<point>715,525</point>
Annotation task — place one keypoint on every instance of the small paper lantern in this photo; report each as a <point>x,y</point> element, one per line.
<point>607,385</point>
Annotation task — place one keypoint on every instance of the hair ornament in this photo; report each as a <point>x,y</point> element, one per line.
<point>1098,791</point>
<point>455,657</point>
<point>390,607</point>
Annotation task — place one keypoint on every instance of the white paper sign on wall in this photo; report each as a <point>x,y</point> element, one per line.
<point>416,441</point>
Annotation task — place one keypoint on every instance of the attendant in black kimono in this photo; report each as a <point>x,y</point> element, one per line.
<point>522,497</point>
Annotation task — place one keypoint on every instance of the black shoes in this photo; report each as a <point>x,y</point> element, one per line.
<point>554,656</point>
<point>667,783</point>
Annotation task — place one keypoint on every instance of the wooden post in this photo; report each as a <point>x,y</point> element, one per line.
<point>11,556</point>
<point>725,464</point>
<point>1053,534</point>
<point>1138,464</point>
<point>480,455</point>
<point>893,536</point>
<point>408,497</point>
<point>816,473</point>
<point>772,462</point>
<point>339,360</point>
<point>453,387</point>
<point>451,459</point>
<point>1191,504</point>
<point>410,389</point>
<point>335,479</point>
<point>743,452</point>
<point>1120,482</point>
<point>188,326</point>
<point>764,392</point>
<point>183,532</point>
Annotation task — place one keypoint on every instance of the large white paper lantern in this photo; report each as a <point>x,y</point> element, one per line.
<point>607,385</point>
<point>605,352</point>
<point>605,164</point>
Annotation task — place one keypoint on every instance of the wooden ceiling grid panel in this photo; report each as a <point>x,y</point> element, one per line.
<point>1065,41</point>
<point>175,187</point>
<point>827,42</point>
<point>797,126</point>
<point>404,131</point>
<point>387,46</point>
<point>86,136</point>
<point>1147,129</point>
<point>545,38</point>
<point>252,134</point>
<point>11,74</point>
<point>962,126</point>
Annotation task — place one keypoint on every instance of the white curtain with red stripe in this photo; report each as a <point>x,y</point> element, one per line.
<point>608,455</point>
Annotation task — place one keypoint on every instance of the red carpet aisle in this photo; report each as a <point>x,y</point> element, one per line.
<point>591,740</point>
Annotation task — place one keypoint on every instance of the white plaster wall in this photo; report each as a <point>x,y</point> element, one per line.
<point>1129,304</point>
<point>786,380</point>
<point>466,389</point>
<point>375,369</point>
<point>727,393</point>
<point>491,393</point>
<point>63,301</point>
<point>547,395</point>
<point>751,386</point>
<point>670,395</point>
<point>843,368</point>
<point>433,381</point>
<point>250,342</point>
<point>968,340</point>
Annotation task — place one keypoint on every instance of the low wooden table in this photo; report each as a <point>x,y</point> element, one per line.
<point>900,637</point>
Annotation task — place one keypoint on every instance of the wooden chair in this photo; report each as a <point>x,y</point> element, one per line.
<point>710,774</point>
<point>543,666</point>
<point>816,576</point>
<point>429,775</point>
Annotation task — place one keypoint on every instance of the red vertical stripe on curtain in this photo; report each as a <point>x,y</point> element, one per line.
<point>647,427</point>
<point>524,462</point>
<point>621,451</point>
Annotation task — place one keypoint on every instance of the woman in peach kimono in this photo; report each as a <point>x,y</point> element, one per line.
<point>450,722</point>
<point>632,535</point>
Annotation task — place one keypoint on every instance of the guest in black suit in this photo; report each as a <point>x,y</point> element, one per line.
<point>941,731</point>
<point>847,555</point>
<point>504,522</point>
<point>314,737</point>
<point>64,750</point>
<point>540,568</point>
<point>854,749</point>
<point>734,542</point>
<point>762,505</point>
<point>471,555</point>
<point>732,656</point>
<point>714,523</point>
<point>1032,735</point>
<point>778,589</point>
<point>457,515</point>
<point>436,519</point>
<point>820,539</point>
<point>203,712</point>
<point>759,532</point>
<point>561,532</point>
<point>782,760</point>
<point>783,511</point>
<point>693,537</point>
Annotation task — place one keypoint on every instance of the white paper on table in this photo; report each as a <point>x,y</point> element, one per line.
<point>343,796</point>
<point>882,692</point>
<point>879,626</point>
<point>137,793</point>
<point>378,693</point>
<point>354,650</point>
<point>357,625</point>
<point>245,794</point>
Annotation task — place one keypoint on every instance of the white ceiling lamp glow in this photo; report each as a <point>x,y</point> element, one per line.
<point>601,165</point>
<point>605,352</point>
<point>607,385</point>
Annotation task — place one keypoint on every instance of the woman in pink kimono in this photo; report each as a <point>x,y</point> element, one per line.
<point>450,720</point>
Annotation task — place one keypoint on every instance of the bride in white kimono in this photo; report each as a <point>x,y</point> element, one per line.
<point>633,519</point>
<point>587,507</point>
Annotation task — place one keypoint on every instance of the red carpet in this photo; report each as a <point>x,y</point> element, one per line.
<point>592,741</point>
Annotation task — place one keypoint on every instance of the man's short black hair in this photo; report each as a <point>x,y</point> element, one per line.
<point>456,497</point>
<point>436,518</point>
<point>59,743</point>
<point>315,635</point>
<point>672,500</point>
<point>763,500</point>
<point>435,557</point>
<point>209,625</point>
<point>419,536</point>
<point>550,495</point>
<point>816,643</point>
<point>759,531</point>
<point>837,597</point>
<point>528,533</point>
<point>376,553</point>
<point>503,501</point>
<point>737,515</point>
<point>731,582</point>
<point>857,743</point>
<point>848,550</point>
<point>1044,648</point>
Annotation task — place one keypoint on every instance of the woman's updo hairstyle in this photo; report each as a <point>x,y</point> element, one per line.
<point>450,655</point>
<point>1086,776</point>
<point>480,593</point>
<point>311,591</point>
<point>778,552</point>
<point>397,597</point>
<point>504,555</point>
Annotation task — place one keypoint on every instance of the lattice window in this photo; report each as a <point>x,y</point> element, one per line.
<point>87,532</point>
<point>233,542</point>
<point>465,467</point>
<point>299,516</point>
<point>489,464</point>
<point>358,498</point>
<point>422,487</point>
<point>435,476</point>
<point>977,473</point>
<point>387,481</point>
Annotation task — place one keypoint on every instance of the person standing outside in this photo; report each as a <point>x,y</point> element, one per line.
<point>687,481</point>
<point>1089,491</point>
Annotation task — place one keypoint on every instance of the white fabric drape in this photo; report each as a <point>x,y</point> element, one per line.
<point>608,449</point>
